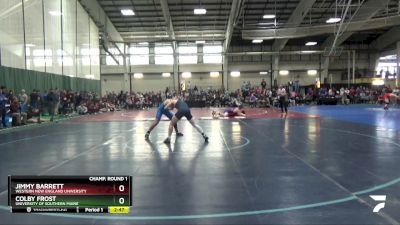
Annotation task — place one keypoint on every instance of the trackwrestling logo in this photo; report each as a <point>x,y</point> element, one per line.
<point>378,198</point>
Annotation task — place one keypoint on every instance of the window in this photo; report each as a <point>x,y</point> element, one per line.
<point>139,55</point>
<point>42,58</point>
<point>164,55</point>
<point>111,62</point>
<point>387,69</point>
<point>85,54</point>
<point>187,59</point>
<point>109,59</point>
<point>212,54</point>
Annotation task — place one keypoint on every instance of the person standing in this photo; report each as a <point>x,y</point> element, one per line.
<point>52,102</point>
<point>282,95</point>
<point>57,105</point>
<point>23,99</point>
<point>263,84</point>
<point>3,102</point>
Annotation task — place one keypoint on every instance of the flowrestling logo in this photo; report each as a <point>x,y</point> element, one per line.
<point>381,199</point>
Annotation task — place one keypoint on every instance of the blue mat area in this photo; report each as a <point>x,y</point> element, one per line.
<point>365,114</point>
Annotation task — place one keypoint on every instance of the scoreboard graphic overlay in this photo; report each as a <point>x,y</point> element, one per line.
<point>70,194</point>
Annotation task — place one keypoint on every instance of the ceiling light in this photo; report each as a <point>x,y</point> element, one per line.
<point>269,16</point>
<point>200,11</point>
<point>333,20</point>
<point>138,75</point>
<point>200,42</point>
<point>388,57</point>
<point>257,41</point>
<point>308,52</point>
<point>235,74</point>
<point>283,72</point>
<point>214,74</point>
<point>312,72</point>
<point>55,13</point>
<point>127,12</point>
<point>311,43</point>
<point>186,75</point>
<point>166,74</point>
<point>263,73</point>
<point>271,23</point>
<point>30,45</point>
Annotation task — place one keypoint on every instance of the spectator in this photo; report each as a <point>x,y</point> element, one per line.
<point>34,97</point>
<point>16,112</point>
<point>82,109</point>
<point>263,84</point>
<point>23,99</point>
<point>253,100</point>
<point>282,99</point>
<point>10,96</point>
<point>51,103</point>
<point>3,102</point>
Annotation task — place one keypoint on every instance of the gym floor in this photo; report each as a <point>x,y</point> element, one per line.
<point>318,165</point>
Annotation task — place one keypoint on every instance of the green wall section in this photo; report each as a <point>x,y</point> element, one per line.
<point>17,79</point>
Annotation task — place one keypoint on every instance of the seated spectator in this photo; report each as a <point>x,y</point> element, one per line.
<point>15,112</point>
<point>253,100</point>
<point>33,112</point>
<point>18,117</point>
<point>263,101</point>
<point>82,109</point>
<point>292,98</point>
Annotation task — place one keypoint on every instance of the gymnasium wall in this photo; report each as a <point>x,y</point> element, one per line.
<point>154,82</point>
<point>249,72</point>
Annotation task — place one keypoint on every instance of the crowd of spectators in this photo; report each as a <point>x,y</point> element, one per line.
<point>24,106</point>
<point>252,95</point>
<point>352,95</point>
<point>19,108</point>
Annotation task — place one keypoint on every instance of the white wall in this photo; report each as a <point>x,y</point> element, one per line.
<point>111,83</point>
<point>203,80</point>
<point>152,83</point>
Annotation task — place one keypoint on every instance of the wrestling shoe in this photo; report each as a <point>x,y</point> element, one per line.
<point>147,135</point>
<point>167,140</point>
<point>179,134</point>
